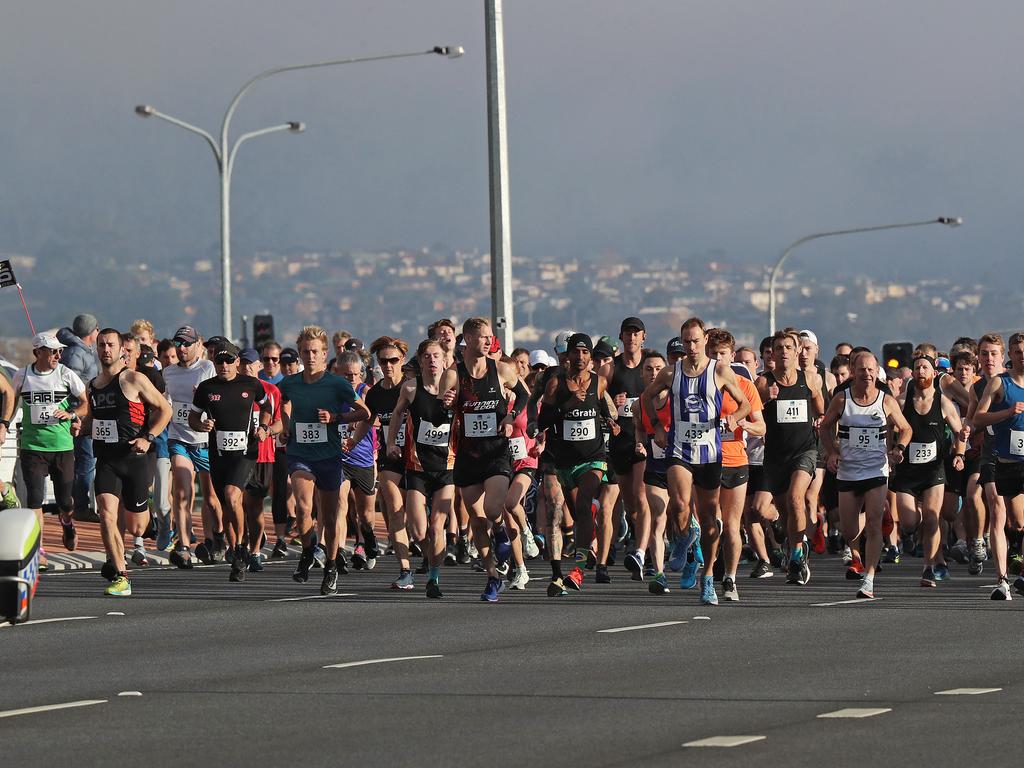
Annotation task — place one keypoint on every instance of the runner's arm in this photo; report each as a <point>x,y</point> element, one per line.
<point>727,376</point>
<point>157,402</point>
<point>827,428</point>
<point>953,420</point>
<point>405,396</point>
<point>982,416</point>
<point>899,422</point>
<point>662,382</point>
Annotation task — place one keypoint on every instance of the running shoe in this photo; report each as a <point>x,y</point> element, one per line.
<point>433,589</point>
<point>462,551</point>
<point>958,552</point>
<point>891,554</point>
<point>280,550</point>
<point>634,563</point>
<point>557,588</point>
<point>120,587</point>
<point>658,584</point>
<point>805,572</point>
<point>359,557</point>
<point>975,567</point>
<point>677,558</point>
<point>818,539</point>
<point>404,580</point>
<point>1002,591</point>
<point>776,556</point>
<point>729,592</point>
<point>928,577</point>
<point>329,585</point>
<point>847,555</point>
<point>762,570</point>
<point>520,578</point>
<point>319,557</point>
<point>256,562</point>
<point>182,558</point>
<point>109,571</point>
<point>450,558</point>
<point>502,544</point>
<point>574,579</point>
<point>530,548</point>
<point>220,547</point>
<point>591,559</point>
<point>414,549</point>
<point>492,590</point>
<point>478,565</point>
<point>688,577</point>
<point>238,567</point>
<point>941,572</point>
<point>204,552</point>
<point>601,576</point>
<point>371,562</point>
<point>305,565</point>
<point>69,535</point>
<point>164,534</point>
<point>1018,585</point>
<point>707,591</point>
<point>793,572</point>
<point>139,557</point>
<point>341,563</point>
<point>833,543</point>
<point>866,591</point>
<point>855,570</point>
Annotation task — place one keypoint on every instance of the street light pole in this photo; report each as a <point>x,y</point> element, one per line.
<point>497,156</point>
<point>225,156</point>
<point>949,221</point>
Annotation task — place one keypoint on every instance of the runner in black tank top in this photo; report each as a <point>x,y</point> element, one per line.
<point>382,401</point>
<point>118,400</point>
<point>575,439</point>
<point>430,444</point>
<point>919,480</point>
<point>483,447</point>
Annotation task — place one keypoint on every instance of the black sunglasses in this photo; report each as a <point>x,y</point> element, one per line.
<point>389,360</point>
<point>225,359</point>
<point>271,359</point>
<point>178,343</point>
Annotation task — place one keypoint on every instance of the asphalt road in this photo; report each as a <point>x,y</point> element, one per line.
<point>234,674</point>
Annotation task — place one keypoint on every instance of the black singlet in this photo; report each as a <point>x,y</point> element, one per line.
<point>575,437</point>
<point>116,419</point>
<point>789,429</point>
<point>481,405</point>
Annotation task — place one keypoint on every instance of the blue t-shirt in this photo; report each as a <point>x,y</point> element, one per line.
<point>307,437</point>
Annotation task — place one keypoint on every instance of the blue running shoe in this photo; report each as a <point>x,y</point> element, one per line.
<point>688,578</point>
<point>707,591</point>
<point>677,559</point>
<point>941,572</point>
<point>490,593</point>
<point>502,545</point>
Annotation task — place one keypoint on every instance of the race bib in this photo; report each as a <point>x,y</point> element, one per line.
<point>310,433</point>
<point>480,424</point>
<point>696,432</point>
<point>922,453</point>
<point>400,435</point>
<point>626,409</point>
<point>517,447</point>
<point>345,431</point>
<point>41,414</point>
<point>232,441</point>
<point>104,430</point>
<point>728,435</point>
<point>181,414</point>
<point>578,431</point>
<point>864,438</point>
<point>791,411</point>
<point>436,436</point>
<point>1017,442</point>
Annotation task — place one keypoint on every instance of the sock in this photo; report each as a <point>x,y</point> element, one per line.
<point>731,576</point>
<point>868,583</point>
<point>556,569</point>
<point>139,543</point>
<point>434,573</point>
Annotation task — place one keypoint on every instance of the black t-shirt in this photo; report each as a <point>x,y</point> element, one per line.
<point>230,405</point>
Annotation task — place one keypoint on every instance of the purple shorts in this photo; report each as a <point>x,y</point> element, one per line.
<point>327,473</point>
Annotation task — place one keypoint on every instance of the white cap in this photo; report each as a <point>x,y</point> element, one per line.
<point>562,341</point>
<point>541,357</point>
<point>46,341</point>
<point>809,335</point>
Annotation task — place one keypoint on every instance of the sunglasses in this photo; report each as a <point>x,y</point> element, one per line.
<point>185,344</point>
<point>224,359</point>
<point>389,360</point>
<point>271,359</point>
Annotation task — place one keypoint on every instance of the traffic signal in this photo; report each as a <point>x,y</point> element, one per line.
<point>897,354</point>
<point>262,330</point>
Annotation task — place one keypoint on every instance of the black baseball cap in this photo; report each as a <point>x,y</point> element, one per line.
<point>225,348</point>
<point>187,334</point>
<point>216,341</point>
<point>603,349</point>
<point>354,345</point>
<point>289,355</point>
<point>675,346</point>
<point>579,341</point>
<point>632,322</point>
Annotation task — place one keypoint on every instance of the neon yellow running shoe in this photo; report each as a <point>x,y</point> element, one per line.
<point>120,587</point>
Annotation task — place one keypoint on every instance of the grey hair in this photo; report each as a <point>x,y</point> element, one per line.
<point>348,357</point>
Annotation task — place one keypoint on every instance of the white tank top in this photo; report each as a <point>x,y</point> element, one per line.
<point>862,431</point>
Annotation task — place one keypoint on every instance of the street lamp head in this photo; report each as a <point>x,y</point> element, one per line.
<point>451,51</point>
<point>950,221</point>
<point>296,127</point>
<point>144,110</point>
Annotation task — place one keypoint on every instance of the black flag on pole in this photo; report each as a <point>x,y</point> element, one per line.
<point>6,274</point>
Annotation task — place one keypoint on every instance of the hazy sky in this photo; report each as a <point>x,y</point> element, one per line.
<point>642,127</point>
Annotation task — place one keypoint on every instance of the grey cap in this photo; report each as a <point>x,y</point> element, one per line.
<point>84,325</point>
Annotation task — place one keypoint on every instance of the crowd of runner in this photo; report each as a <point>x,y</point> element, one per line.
<point>686,461</point>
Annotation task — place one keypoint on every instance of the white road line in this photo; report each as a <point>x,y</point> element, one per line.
<point>346,664</point>
<point>702,618</point>
<point>857,712</point>
<point>847,602</point>
<point>966,691</point>
<point>310,597</point>
<point>115,613</point>
<point>640,626</point>
<point>130,693</point>
<point>48,707</point>
<point>50,621</point>
<point>724,741</point>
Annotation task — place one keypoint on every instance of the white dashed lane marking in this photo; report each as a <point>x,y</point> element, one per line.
<point>641,626</point>
<point>724,741</point>
<point>857,712</point>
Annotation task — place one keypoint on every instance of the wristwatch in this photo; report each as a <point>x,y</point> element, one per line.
<point>900,447</point>
<point>150,437</point>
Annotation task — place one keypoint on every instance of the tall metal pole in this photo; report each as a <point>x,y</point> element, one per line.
<point>497,151</point>
<point>949,221</point>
